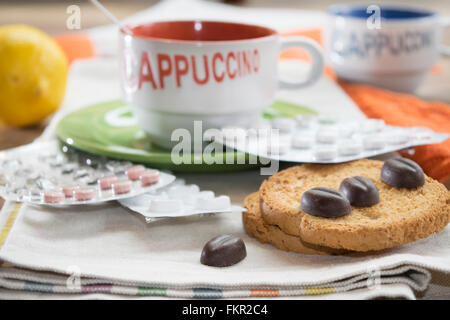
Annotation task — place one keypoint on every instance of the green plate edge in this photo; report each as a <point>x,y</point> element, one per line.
<point>74,130</point>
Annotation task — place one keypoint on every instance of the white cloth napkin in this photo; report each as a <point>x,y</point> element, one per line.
<point>106,251</point>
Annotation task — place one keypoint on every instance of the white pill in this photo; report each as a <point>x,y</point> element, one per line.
<point>278,146</point>
<point>398,138</point>
<point>178,182</point>
<point>166,206</point>
<point>372,125</point>
<point>214,204</point>
<point>187,194</point>
<point>325,153</point>
<point>327,135</point>
<point>306,121</point>
<point>346,131</point>
<point>190,199</point>
<point>193,188</point>
<point>203,195</point>
<point>253,133</point>
<point>263,125</point>
<point>375,142</point>
<point>349,148</point>
<point>178,191</point>
<point>144,200</point>
<point>324,120</point>
<point>233,134</point>
<point>283,124</point>
<point>301,141</point>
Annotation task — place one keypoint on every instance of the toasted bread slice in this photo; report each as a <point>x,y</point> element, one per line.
<point>401,216</point>
<point>255,226</point>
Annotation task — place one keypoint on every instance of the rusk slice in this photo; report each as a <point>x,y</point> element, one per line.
<point>402,215</point>
<point>255,227</point>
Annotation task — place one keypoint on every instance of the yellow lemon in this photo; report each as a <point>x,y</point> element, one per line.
<point>33,73</point>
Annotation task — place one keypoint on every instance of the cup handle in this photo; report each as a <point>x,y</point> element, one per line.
<point>317,64</point>
<point>445,49</point>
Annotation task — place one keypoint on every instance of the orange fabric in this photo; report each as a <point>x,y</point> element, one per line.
<point>394,108</point>
<point>294,53</point>
<point>264,293</point>
<point>75,45</point>
<point>437,70</point>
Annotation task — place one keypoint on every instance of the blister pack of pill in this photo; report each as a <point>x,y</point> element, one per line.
<point>48,173</point>
<point>178,200</point>
<point>312,139</point>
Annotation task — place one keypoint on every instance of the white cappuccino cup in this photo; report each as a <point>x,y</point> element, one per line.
<point>177,72</point>
<point>388,46</point>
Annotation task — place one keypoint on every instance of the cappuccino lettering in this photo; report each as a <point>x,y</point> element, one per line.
<point>145,71</point>
<point>205,68</point>
<point>376,44</point>
<point>217,67</point>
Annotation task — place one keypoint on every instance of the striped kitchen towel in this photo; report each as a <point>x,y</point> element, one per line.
<point>104,250</point>
<point>393,282</point>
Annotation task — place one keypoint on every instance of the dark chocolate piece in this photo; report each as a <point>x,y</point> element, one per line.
<point>325,202</point>
<point>223,251</point>
<point>360,191</point>
<point>402,173</point>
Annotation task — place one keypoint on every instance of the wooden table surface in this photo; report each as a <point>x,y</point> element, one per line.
<point>51,16</point>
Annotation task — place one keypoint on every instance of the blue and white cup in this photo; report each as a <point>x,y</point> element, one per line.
<point>388,46</point>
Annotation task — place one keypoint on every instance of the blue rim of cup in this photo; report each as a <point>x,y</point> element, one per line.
<point>388,12</point>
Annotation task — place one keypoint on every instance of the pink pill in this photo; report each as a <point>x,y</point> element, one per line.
<point>149,177</point>
<point>84,194</point>
<point>121,187</point>
<point>134,172</point>
<point>53,196</point>
<point>69,190</point>
<point>107,182</point>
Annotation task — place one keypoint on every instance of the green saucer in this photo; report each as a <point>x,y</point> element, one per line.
<point>109,129</point>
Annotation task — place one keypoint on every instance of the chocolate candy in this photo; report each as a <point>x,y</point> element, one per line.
<point>223,251</point>
<point>402,173</point>
<point>360,191</point>
<point>325,202</point>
